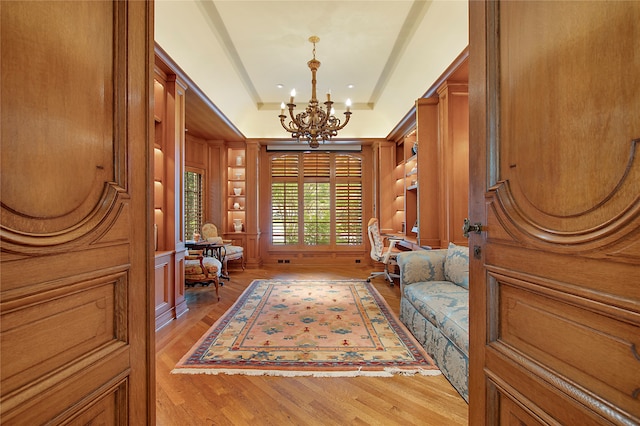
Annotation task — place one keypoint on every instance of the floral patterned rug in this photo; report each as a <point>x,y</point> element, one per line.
<point>308,328</point>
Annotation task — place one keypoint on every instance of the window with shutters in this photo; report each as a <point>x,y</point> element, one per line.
<point>316,199</point>
<point>193,208</point>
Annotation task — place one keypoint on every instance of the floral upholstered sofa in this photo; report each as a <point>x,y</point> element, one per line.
<point>434,305</point>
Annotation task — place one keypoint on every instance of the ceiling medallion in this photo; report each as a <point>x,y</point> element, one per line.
<point>313,124</point>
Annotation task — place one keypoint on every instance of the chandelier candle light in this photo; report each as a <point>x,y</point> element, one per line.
<point>314,123</point>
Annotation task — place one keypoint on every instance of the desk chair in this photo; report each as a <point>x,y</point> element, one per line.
<point>380,253</point>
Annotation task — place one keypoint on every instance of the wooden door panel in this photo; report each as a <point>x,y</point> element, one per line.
<point>104,411</point>
<point>566,114</point>
<point>514,380</point>
<point>31,350</point>
<point>606,286</point>
<point>59,107</point>
<point>567,334</point>
<point>544,399</point>
<point>555,314</point>
<point>74,305</point>
<point>512,414</point>
<point>71,400</point>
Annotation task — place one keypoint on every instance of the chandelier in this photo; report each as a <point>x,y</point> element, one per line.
<point>314,124</point>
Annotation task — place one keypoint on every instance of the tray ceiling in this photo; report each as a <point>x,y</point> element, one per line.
<point>383,55</point>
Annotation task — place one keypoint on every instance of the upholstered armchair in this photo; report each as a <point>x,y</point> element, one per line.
<point>201,269</point>
<point>210,233</point>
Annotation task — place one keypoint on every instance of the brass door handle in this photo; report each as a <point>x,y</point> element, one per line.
<point>468,227</point>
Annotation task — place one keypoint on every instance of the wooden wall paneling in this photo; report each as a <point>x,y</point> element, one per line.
<point>159,94</point>
<point>387,202</point>
<point>196,152</point>
<point>76,274</point>
<point>445,162</point>
<point>169,154</point>
<point>175,193</point>
<point>197,159</point>
<point>454,155</point>
<point>164,288</point>
<point>264,207</point>
<point>368,196</point>
<point>440,202</point>
<point>174,161</point>
<point>459,172</point>
<point>427,131</point>
<point>216,176</point>
<point>179,287</point>
<point>252,224</point>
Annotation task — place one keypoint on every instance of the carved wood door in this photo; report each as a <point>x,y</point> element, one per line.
<point>555,182</point>
<point>76,316</point>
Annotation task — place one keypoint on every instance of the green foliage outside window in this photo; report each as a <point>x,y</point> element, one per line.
<point>317,214</point>
<point>284,213</point>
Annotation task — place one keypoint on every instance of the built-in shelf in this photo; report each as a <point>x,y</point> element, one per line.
<point>427,182</point>
<point>236,189</point>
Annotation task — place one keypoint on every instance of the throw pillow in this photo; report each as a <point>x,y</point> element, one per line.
<point>456,265</point>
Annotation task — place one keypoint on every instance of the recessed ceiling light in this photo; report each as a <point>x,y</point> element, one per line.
<point>279,85</point>
<point>350,86</point>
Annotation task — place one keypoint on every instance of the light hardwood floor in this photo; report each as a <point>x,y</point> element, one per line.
<point>264,400</point>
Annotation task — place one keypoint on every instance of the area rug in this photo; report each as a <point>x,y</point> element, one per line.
<point>338,328</point>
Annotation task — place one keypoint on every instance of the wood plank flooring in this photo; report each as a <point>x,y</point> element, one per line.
<point>263,400</point>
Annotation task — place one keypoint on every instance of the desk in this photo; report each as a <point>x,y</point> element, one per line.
<point>404,242</point>
<point>216,250</point>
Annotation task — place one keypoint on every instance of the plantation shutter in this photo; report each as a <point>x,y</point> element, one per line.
<point>285,166</point>
<point>317,166</point>
<point>284,200</point>
<point>348,199</point>
<point>316,199</point>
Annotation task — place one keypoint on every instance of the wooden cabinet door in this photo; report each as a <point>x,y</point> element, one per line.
<point>555,182</point>
<point>76,310</point>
